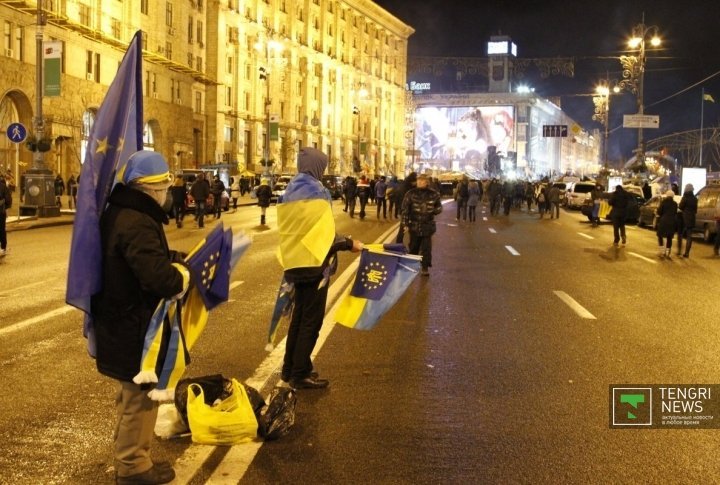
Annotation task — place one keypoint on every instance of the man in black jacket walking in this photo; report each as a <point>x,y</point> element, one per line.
<point>619,201</point>
<point>419,208</point>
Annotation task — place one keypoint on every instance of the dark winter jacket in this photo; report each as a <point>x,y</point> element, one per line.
<point>200,190</point>
<point>419,208</point>
<point>263,194</point>
<point>137,273</point>
<point>689,206</point>
<point>619,201</point>
<point>666,212</point>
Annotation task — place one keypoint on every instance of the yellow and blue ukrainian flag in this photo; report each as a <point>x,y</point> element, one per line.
<point>210,263</point>
<point>382,277</point>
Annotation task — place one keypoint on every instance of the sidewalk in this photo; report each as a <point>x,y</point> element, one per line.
<point>67,216</point>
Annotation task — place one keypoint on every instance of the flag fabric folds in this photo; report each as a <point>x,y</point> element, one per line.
<point>210,263</point>
<point>116,134</point>
<point>707,97</point>
<point>382,278</point>
<point>282,312</point>
<point>305,241</point>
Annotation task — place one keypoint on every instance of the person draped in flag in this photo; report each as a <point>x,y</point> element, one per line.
<point>138,270</point>
<point>307,252</point>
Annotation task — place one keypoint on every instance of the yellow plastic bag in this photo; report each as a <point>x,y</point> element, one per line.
<point>229,422</point>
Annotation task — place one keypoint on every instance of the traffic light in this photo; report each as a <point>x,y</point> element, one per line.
<point>263,73</point>
<point>356,110</point>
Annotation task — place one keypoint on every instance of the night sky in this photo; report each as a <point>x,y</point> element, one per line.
<point>595,34</point>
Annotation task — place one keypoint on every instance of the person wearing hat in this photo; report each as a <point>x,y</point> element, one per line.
<point>666,218</point>
<point>688,208</point>
<point>264,196</point>
<point>419,208</point>
<point>307,253</point>
<point>619,201</point>
<point>138,270</point>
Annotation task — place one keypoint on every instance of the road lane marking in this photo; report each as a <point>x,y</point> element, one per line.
<point>31,321</point>
<point>237,460</point>
<point>18,289</point>
<point>235,284</point>
<point>492,230</point>
<point>586,235</point>
<point>512,250</point>
<point>640,256</point>
<point>574,305</point>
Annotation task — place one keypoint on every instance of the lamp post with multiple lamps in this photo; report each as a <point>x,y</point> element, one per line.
<point>633,70</point>
<point>268,46</point>
<point>602,111</point>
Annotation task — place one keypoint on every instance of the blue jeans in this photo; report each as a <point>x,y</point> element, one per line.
<point>200,213</point>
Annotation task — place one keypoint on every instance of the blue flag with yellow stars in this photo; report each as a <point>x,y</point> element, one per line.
<point>374,275</point>
<point>210,263</point>
<point>382,278</point>
<point>117,132</point>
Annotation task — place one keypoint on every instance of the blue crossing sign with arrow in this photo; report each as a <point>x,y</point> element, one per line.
<point>16,132</point>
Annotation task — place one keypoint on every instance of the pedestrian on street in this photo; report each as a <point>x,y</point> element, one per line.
<point>596,195</point>
<point>666,219</point>
<point>138,271</point>
<point>5,204</point>
<point>72,187</point>
<point>688,208</point>
<point>234,192</point>
<point>59,190</point>
<point>200,191</point>
<point>461,199</point>
<point>178,191</point>
<point>264,195</point>
<point>380,191</point>
<point>419,208</point>
<point>542,201</point>
<point>217,188</point>
<point>309,275</point>
<point>619,201</point>
<point>474,195</point>
<point>529,195</point>
<point>495,196</point>
<point>553,196</point>
<point>363,194</point>
<point>392,185</point>
<point>350,195</point>
<point>408,184</point>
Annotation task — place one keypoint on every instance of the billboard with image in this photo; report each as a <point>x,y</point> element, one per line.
<point>462,134</point>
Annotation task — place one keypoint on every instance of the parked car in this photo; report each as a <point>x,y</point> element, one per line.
<point>577,193</point>
<point>279,186</point>
<point>632,212</point>
<point>708,211</point>
<point>646,216</point>
<point>334,183</point>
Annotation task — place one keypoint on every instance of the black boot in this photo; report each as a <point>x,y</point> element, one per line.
<point>262,220</point>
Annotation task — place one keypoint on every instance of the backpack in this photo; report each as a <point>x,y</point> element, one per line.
<point>541,197</point>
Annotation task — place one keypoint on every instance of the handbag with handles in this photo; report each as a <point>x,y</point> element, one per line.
<point>227,422</point>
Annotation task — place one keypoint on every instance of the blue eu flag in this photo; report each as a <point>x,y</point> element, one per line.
<point>115,135</point>
<point>374,275</point>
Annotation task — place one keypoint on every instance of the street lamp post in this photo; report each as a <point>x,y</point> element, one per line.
<point>634,70</point>
<point>602,111</point>
<point>264,72</point>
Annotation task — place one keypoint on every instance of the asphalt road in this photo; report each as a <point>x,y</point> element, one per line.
<point>495,369</point>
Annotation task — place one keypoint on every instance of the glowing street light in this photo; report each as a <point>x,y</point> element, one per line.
<point>634,70</point>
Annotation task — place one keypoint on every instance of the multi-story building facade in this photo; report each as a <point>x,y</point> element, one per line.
<point>227,82</point>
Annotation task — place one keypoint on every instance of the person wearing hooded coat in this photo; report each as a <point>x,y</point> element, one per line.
<point>688,209</point>
<point>666,218</point>
<point>138,270</point>
<point>306,207</point>
<point>399,193</point>
<point>264,195</point>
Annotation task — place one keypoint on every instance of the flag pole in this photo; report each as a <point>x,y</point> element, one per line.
<point>702,113</point>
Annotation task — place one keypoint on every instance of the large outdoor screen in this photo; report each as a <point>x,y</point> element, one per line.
<point>463,134</point>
